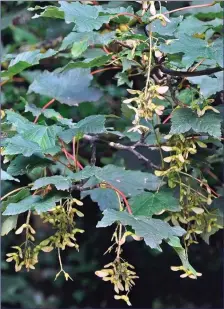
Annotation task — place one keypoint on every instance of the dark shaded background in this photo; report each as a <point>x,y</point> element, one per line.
<point>158,286</point>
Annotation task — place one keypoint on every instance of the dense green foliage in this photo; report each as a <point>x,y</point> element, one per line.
<point>59,128</point>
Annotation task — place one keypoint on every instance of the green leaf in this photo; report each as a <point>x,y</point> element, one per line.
<point>48,113</point>
<point>86,17</point>
<point>127,64</point>
<point>60,182</point>
<point>48,11</point>
<point>211,12</point>
<point>193,49</point>
<point>78,48</point>
<point>106,198</point>
<point>217,53</point>
<point>22,165</point>
<point>86,173</point>
<point>26,60</point>
<point>44,136</point>
<point>23,193</point>
<point>174,242</point>
<point>6,176</point>
<point>19,145</point>
<point>33,202</point>
<point>154,231</point>
<point>70,87</point>
<point>22,35</point>
<point>92,38</point>
<point>131,183</point>
<point>94,124</point>
<point>184,120</point>
<point>187,96</point>
<point>122,79</point>
<point>8,224</point>
<point>48,202</point>
<point>216,212</point>
<point>21,206</point>
<point>209,85</point>
<point>169,29</point>
<point>88,63</point>
<point>192,25</point>
<point>148,204</point>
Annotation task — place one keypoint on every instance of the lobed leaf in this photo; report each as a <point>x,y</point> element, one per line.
<point>70,87</point>
<point>154,231</point>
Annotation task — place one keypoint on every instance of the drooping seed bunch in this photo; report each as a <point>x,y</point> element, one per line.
<point>119,272</point>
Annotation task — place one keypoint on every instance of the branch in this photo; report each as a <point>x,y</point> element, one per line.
<point>131,149</point>
<point>93,154</point>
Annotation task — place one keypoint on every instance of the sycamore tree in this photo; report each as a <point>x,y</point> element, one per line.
<point>169,119</point>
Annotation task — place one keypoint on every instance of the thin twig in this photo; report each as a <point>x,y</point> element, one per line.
<point>190,7</point>
<point>124,147</point>
<point>45,106</point>
<point>105,69</point>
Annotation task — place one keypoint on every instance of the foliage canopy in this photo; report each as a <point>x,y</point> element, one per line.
<point>170,119</point>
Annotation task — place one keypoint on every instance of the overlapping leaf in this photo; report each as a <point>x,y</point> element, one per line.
<point>192,48</point>
<point>60,182</point>
<point>209,85</point>
<point>19,145</point>
<point>33,202</point>
<point>154,231</point>
<point>105,198</point>
<point>94,124</point>
<point>129,182</point>
<point>184,120</point>
<point>148,203</point>
<point>23,165</point>
<point>43,138</point>
<point>26,60</point>
<point>7,176</point>
<point>70,87</point>
<point>8,224</point>
<point>92,38</point>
